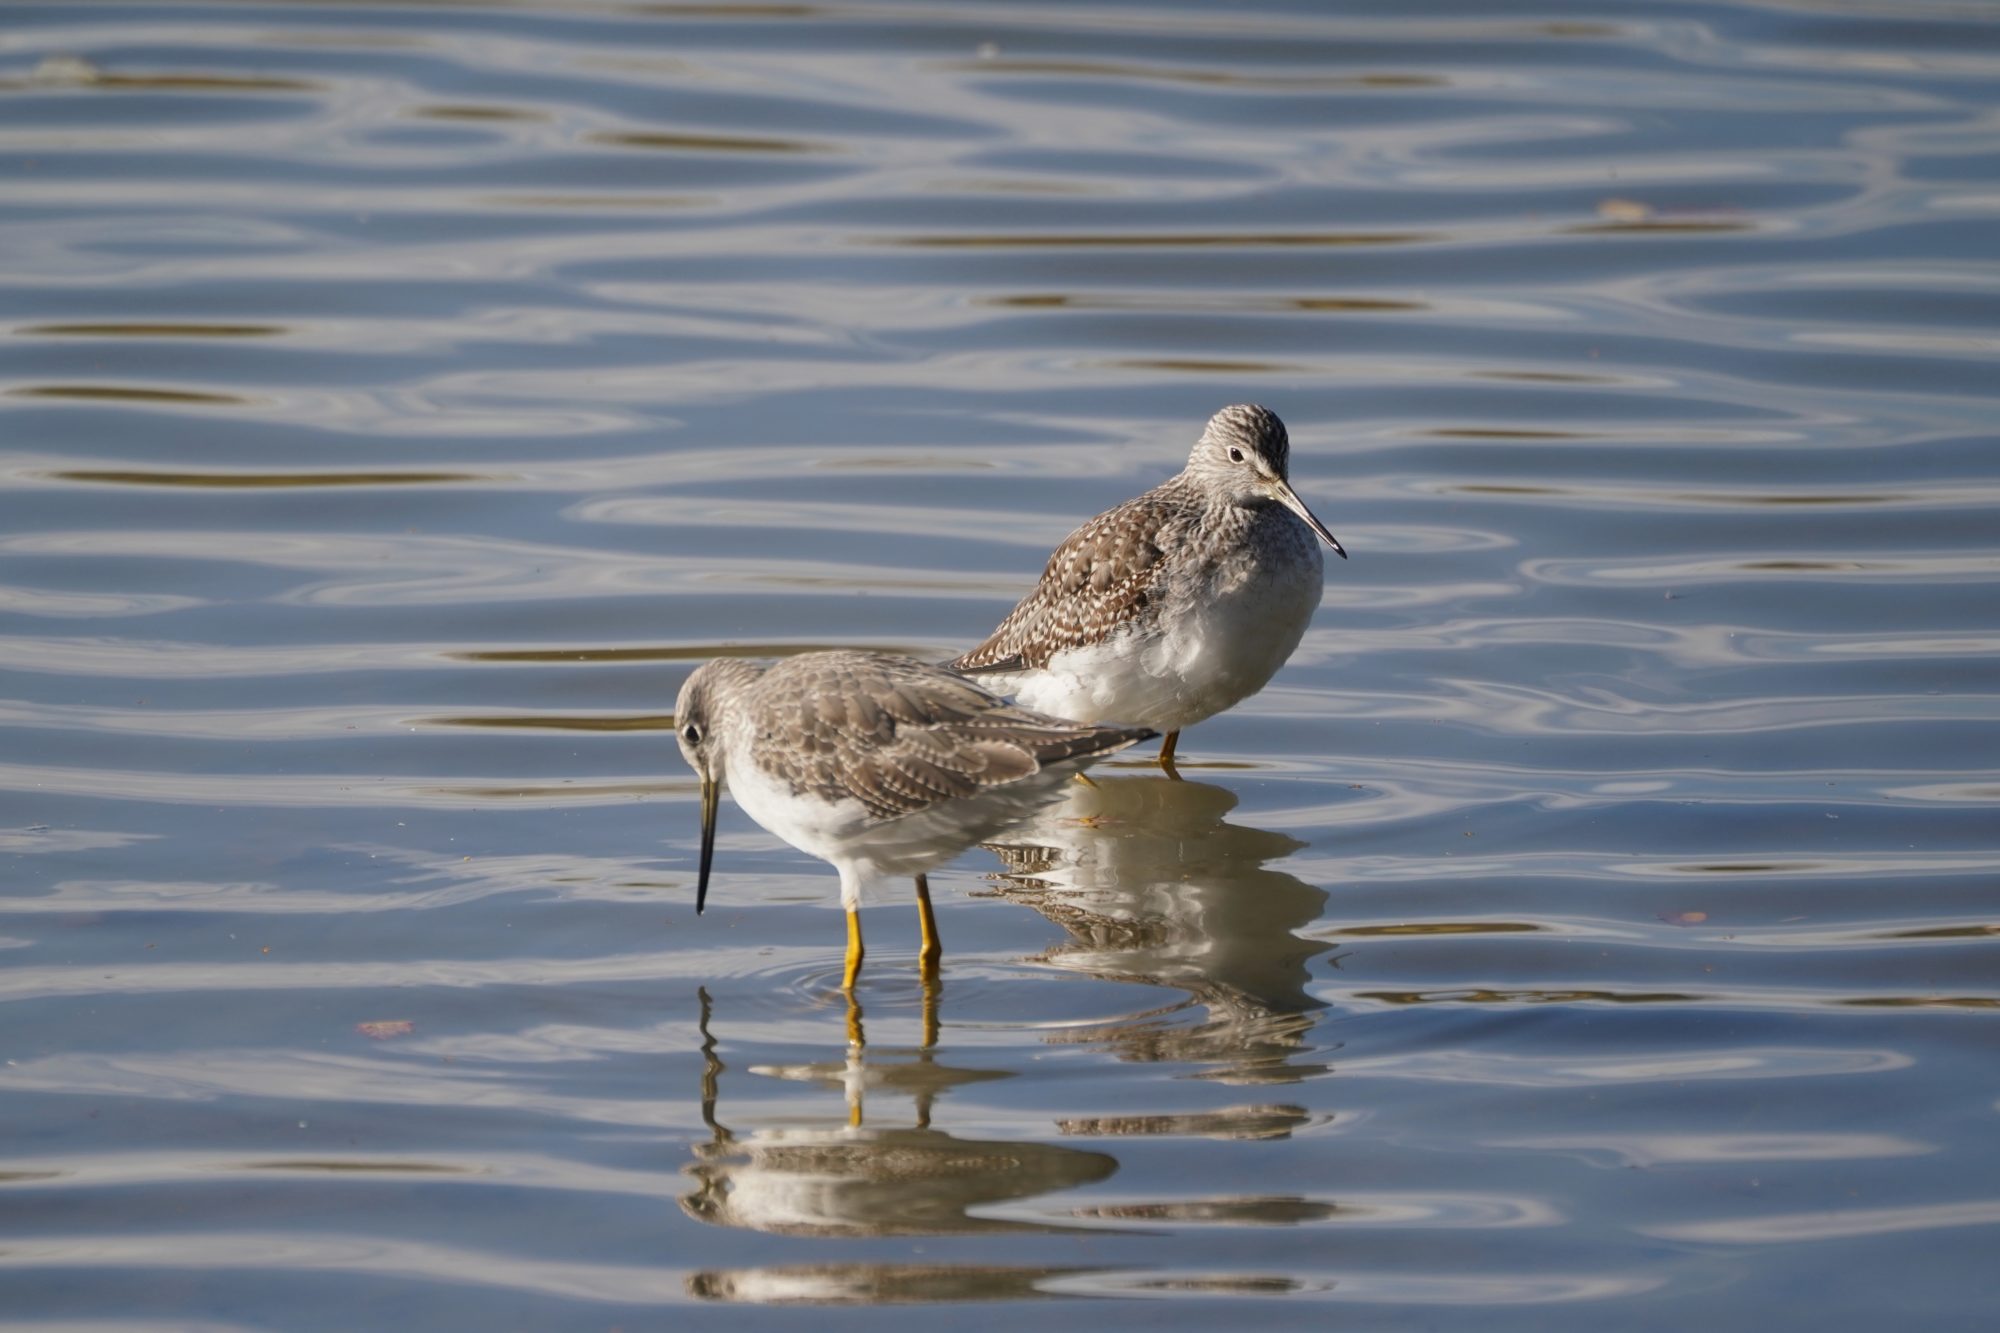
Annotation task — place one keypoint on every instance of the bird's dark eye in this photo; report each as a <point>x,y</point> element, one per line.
<point>691,734</point>
<point>1235,454</point>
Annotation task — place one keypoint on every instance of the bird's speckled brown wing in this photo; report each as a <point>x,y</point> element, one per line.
<point>899,735</point>
<point>1099,578</point>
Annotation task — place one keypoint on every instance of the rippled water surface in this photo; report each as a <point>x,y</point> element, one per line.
<point>1592,928</point>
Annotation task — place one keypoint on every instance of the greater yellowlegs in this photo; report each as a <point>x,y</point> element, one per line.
<point>1174,605</point>
<point>885,766</point>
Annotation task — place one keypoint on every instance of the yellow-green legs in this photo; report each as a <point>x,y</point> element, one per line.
<point>933,948</point>
<point>1167,754</point>
<point>927,957</point>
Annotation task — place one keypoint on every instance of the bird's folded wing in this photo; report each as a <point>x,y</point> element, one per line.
<point>1100,576</point>
<point>899,736</point>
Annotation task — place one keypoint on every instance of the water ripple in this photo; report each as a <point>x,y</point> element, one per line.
<point>1592,923</point>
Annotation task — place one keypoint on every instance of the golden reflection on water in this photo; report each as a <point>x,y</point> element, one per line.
<point>471,112</point>
<point>1941,933</point>
<point>706,143</point>
<point>1236,1122</point>
<point>1640,228</point>
<point>1435,928</point>
<point>1484,995</point>
<point>264,480</point>
<point>750,10</point>
<point>156,330</point>
<point>75,72</point>
<point>1175,301</point>
<point>122,393</point>
<point>1220,78</point>
<point>1543,377</point>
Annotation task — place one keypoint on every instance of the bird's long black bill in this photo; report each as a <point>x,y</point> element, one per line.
<point>711,793</point>
<point>1290,500</point>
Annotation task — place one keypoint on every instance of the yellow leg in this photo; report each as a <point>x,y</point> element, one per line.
<point>1084,778</point>
<point>856,1043</point>
<point>930,1011</point>
<point>1167,754</point>
<point>854,950</point>
<point>933,948</point>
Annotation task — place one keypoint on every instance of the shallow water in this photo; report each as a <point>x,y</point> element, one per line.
<point>1593,926</point>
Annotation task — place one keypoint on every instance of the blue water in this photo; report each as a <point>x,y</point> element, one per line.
<point>1592,927</point>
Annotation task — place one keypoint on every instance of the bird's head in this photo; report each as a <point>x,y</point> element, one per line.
<point>1246,455</point>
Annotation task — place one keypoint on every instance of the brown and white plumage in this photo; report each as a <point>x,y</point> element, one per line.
<point>1100,578</point>
<point>892,733</point>
<point>884,766</point>
<point>1176,604</point>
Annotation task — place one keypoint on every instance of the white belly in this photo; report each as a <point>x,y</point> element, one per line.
<point>868,852</point>
<point>1223,645</point>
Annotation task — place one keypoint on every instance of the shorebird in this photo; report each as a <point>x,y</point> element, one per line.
<point>1176,604</point>
<point>884,766</point>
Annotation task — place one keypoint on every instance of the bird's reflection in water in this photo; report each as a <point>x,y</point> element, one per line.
<point>1155,886</point>
<point>851,1175</point>
<point>873,1284</point>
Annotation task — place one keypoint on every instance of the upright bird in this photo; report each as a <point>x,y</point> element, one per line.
<point>1176,604</point>
<point>884,766</point>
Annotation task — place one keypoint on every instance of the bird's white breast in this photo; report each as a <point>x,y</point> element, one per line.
<point>868,851</point>
<point>814,826</point>
<point>1216,637</point>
